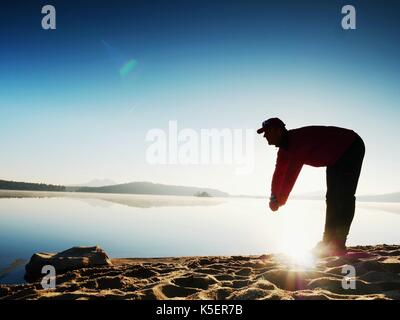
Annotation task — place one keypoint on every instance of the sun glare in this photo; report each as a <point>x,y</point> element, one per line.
<point>297,254</point>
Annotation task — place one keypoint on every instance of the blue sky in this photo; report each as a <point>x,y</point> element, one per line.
<point>69,116</point>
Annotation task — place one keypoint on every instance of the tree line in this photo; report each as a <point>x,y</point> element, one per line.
<point>14,185</point>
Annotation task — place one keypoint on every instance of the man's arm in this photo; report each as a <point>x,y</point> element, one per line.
<point>278,178</point>
<point>292,173</point>
<point>285,175</point>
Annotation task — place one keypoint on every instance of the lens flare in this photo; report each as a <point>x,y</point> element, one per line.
<point>119,59</point>
<point>128,67</point>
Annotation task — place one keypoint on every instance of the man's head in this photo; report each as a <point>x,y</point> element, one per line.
<point>273,130</point>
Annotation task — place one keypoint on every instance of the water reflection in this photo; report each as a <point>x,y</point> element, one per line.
<point>131,200</point>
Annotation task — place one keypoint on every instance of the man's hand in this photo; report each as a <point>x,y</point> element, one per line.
<point>273,203</point>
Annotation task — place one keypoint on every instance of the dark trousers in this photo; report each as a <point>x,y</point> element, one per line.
<point>342,180</point>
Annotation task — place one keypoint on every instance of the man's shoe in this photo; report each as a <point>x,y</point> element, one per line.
<point>320,248</point>
<point>323,249</point>
<point>338,247</point>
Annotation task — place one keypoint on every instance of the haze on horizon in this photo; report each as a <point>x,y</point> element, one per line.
<point>76,103</point>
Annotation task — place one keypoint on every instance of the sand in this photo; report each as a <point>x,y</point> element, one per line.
<point>227,277</point>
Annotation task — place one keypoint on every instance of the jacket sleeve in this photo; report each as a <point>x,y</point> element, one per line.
<point>280,173</point>
<point>285,175</point>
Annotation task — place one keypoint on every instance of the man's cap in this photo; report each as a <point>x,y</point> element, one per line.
<point>272,122</point>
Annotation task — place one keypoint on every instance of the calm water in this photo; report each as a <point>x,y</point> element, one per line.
<point>156,226</point>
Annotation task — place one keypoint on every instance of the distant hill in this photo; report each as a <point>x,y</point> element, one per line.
<point>14,185</point>
<point>388,197</point>
<point>314,195</point>
<point>95,183</point>
<point>153,188</point>
<point>320,195</point>
<point>247,196</point>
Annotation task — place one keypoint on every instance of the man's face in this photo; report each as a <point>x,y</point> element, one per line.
<point>273,135</point>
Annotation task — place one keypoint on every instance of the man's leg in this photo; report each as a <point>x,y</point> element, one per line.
<point>324,247</point>
<point>350,168</point>
<point>342,180</point>
<point>332,199</point>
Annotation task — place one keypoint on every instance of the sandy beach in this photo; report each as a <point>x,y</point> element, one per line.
<point>227,277</point>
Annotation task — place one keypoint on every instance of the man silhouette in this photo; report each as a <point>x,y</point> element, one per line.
<point>341,151</point>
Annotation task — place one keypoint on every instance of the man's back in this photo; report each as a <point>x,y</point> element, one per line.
<point>318,145</point>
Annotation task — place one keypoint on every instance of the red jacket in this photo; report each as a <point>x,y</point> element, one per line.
<point>317,146</point>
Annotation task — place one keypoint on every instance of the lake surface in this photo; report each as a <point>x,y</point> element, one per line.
<point>161,226</point>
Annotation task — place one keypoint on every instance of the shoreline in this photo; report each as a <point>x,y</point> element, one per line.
<point>271,276</point>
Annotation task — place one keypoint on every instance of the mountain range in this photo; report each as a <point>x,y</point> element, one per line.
<point>124,188</point>
<point>144,187</point>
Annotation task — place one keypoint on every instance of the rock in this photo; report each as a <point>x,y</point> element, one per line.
<point>4,290</point>
<point>71,259</point>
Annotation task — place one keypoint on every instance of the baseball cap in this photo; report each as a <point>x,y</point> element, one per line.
<point>271,122</point>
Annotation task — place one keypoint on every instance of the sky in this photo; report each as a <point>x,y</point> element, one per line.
<point>77,102</point>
